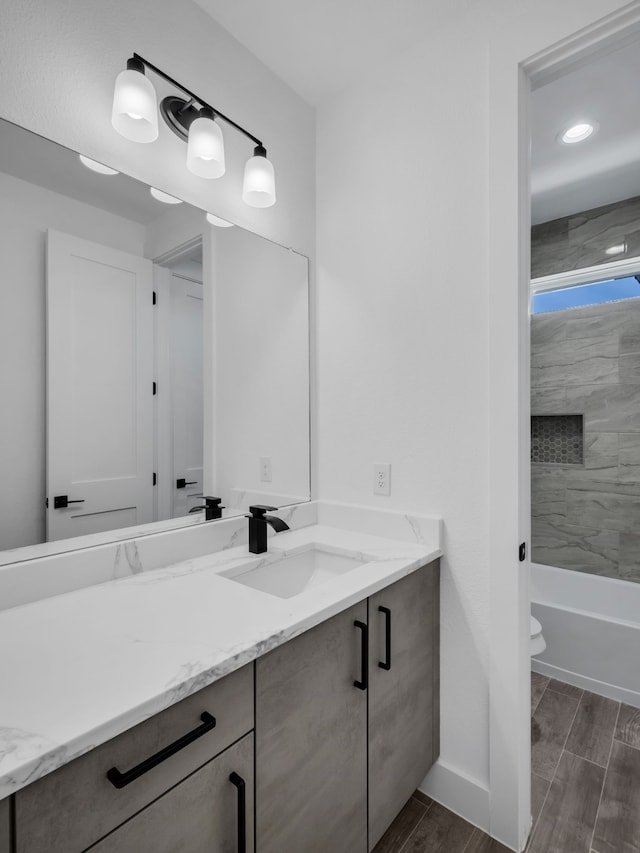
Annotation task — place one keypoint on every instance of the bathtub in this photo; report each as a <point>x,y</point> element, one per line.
<point>592,628</point>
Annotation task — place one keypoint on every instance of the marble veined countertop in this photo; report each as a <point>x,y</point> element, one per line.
<point>79,668</point>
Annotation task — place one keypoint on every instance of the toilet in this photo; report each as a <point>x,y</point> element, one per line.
<point>537,643</point>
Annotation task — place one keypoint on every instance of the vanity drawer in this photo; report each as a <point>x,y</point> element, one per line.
<point>73,807</point>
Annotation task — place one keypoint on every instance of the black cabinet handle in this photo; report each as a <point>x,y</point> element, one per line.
<point>238,781</point>
<point>386,664</point>
<point>119,780</point>
<point>364,659</point>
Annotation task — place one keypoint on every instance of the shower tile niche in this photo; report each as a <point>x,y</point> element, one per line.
<point>557,439</point>
<point>585,478</point>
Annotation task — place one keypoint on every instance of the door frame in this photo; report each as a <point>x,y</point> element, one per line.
<point>163,421</point>
<point>509,247</point>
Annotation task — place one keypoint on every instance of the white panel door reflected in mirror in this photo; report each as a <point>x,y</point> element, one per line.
<point>225,340</point>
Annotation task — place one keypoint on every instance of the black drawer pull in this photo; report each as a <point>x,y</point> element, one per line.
<point>364,664</point>
<point>119,780</point>
<point>386,664</point>
<point>238,781</point>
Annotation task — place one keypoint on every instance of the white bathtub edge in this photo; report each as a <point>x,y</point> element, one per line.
<point>602,688</point>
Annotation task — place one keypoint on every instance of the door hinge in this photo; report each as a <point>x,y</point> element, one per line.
<point>46,503</point>
<point>155,479</point>
<point>155,298</point>
<point>155,388</point>
<point>522,552</point>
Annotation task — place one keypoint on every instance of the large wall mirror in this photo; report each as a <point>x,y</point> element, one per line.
<point>150,354</point>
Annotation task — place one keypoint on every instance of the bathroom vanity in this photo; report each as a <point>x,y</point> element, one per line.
<point>226,716</point>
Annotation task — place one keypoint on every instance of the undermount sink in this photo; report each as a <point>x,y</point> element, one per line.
<point>296,573</point>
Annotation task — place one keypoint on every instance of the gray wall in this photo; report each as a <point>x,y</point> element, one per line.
<point>580,240</point>
<point>587,361</point>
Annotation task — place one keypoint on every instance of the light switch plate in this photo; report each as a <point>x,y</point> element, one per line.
<point>265,469</point>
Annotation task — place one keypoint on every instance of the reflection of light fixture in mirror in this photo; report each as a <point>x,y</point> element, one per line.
<point>100,168</point>
<point>259,188</point>
<point>619,249</point>
<point>578,132</point>
<point>194,121</point>
<point>205,149</point>
<point>221,223</point>
<point>135,109</point>
<point>165,198</point>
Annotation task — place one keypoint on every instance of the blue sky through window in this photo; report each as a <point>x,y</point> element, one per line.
<point>585,294</point>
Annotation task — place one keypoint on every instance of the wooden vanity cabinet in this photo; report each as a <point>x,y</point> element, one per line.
<point>335,763</point>
<point>5,838</point>
<point>404,720</point>
<point>72,808</point>
<point>206,813</point>
<point>346,727</point>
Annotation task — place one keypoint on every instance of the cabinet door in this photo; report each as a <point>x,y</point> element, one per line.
<point>5,845</point>
<point>311,742</point>
<point>200,815</point>
<point>403,699</point>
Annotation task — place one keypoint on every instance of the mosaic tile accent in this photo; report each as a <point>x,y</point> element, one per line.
<point>557,439</point>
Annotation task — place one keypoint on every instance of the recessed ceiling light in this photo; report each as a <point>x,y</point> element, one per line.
<point>100,168</point>
<point>164,197</point>
<point>578,132</point>
<point>221,223</point>
<point>616,250</point>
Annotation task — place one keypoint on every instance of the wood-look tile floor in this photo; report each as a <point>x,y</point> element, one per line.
<point>585,784</point>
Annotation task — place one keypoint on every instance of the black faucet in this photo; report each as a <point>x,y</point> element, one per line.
<point>212,508</point>
<point>258,527</point>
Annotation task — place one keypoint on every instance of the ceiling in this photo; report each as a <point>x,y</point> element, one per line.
<point>566,179</point>
<point>318,48</point>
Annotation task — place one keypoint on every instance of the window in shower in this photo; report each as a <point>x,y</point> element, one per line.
<point>597,293</point>
<point>557,439</point>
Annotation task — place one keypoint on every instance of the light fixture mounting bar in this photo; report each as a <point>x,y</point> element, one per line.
<point>196,99</point>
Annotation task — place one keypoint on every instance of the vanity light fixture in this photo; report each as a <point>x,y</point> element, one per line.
<point>165,198</point>
<point>578,132</point>
<point>216,220</point>
<point>135,116</point>
<point>100,168</point>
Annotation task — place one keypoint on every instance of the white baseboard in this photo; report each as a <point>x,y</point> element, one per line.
<point>459,793</point>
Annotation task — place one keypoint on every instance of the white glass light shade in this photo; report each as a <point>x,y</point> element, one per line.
<point>259,187</point>
<point>100,168</point>
<point>216,220</point>
<point>135,109</point>
<point>205,150</point>
<point>165,198</point>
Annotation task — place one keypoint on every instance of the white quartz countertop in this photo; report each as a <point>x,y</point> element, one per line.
<point>79,668</point>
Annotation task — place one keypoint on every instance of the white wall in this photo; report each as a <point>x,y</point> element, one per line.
<point>60,61</point>
<point>26,211</point>
<point>261,380</point>
<point>420,330</point>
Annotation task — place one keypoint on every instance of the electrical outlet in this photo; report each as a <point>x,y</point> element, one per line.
<point>382,478</point>
<point>265,469</point>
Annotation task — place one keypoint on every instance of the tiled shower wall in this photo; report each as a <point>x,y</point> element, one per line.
<point>586,361</point>
<point>579,241</point>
